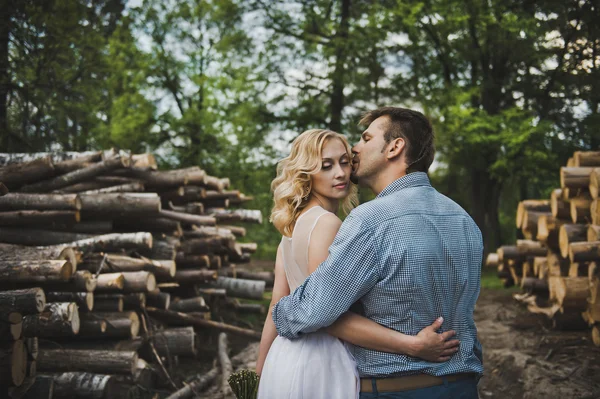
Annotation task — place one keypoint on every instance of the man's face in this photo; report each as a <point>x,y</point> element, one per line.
<point>369,155</point>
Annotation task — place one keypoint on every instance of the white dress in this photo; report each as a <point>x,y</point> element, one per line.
<point>317,365</point>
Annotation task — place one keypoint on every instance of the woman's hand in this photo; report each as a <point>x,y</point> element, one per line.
<point>432,346</point>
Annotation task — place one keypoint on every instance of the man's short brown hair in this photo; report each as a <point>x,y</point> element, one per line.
<point>414,128</point>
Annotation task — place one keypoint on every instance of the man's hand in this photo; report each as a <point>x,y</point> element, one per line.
<point>432,346</point>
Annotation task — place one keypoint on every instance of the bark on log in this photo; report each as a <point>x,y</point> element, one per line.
<point>243,308</point>
<point>149,224</point>
<point>548,231</point>
<point>84,300</point>
<point>558,206</point>
<point>156,180</point>
<point>73,164</point>
<point>580,210</point>
<point>112,303</point>
<point>267,277</point>
<point>248,247</point>
<point>197,304</point>
<point>540,267</point>
<point>194,208</point>
<point>13,362</point>
<point>162,250</point>
<point>9,252</point>
<point>24,201</point>
<point>176,317</point>
<point>112,242</point>
<point>93,361</point>
<point>578,270</point>
<point>208,232</point>
<point>38,218</point>
<point>81,281</point>
<point>568,234</point>
<point>16,175</point>
<point>192,261</point>
<point>138,282</point>
<point>77,176</point>
<point>56,157</point>
<point>594,186</point>
<point>586,158</point>
<point>125,325</point>
<point>120,203</point>
<point>530,221</point>
<point>528,248</point>
<point>175,342</point>
<point>188,218</point>
<point>78,385</point>
<point>91,326</point>
<point>95,227</point>
<point>35,271</point>
<point>3,189</point>
<point>584,251</point>
<point>204,246</point>
<point>194,276</point>
<point>158,299</point>
<point>146,161</point>
<point>240,288</point>
<point>134,301</point>
<point>38,237</point>
<point>576,177</point>
<point>27,301</point>
<point>121,263</point>
<point>535,285</point>
<point>595,211</point>
<point>59,319</point>
<point>135,187</point>
<point>557,266</point>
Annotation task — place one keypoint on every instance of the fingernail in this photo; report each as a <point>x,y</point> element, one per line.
<point>440,319</point>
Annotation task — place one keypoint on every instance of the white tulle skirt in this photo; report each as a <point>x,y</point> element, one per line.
<point>316,366</point>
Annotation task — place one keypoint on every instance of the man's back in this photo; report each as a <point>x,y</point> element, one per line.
<point>428,254</point>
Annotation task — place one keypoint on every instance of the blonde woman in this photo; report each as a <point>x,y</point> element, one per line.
<point>311,184</point>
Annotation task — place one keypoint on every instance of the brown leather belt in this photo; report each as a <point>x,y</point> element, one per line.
<point>410,382</point>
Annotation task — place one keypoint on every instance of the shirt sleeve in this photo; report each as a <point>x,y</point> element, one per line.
<point>347,274</point>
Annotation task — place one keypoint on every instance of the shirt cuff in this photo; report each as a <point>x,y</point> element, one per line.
<point>281,323</point>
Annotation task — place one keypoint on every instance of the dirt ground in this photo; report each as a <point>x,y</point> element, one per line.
<point>525,358</point>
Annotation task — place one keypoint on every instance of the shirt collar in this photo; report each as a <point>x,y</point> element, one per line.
<point>414,179</point>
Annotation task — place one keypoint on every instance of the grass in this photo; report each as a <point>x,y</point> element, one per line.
<point>490,280</point>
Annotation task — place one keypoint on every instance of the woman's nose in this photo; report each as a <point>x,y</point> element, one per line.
<point>340,171</point>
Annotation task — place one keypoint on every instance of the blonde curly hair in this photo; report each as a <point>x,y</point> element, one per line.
<point>294,177</point>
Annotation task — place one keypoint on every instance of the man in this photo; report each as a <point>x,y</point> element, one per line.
<point>409,256</point>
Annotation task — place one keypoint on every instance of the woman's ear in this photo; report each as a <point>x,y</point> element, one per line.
<point>395,148</point>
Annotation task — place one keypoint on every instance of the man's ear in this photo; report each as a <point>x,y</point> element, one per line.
<point>395,148</point>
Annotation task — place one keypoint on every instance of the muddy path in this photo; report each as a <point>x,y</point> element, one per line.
<point>525,358</point>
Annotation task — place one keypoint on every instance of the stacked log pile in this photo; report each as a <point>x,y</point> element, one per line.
<point>111,269</point>
<point>557,264</point>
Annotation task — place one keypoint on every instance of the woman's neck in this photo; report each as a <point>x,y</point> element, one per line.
<point>329,204</point>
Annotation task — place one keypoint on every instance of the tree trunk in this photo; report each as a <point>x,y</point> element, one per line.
<point>23,201</point>
<point>77,176</point>
<point>93,361</point>
<point>16,175</point>
<point>27,301</point>
<point>182,318</point>
<point>57,320</point>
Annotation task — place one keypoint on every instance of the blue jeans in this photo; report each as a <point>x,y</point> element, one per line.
<point>462,389</point>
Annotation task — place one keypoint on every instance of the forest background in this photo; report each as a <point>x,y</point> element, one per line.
<point>512,86</point>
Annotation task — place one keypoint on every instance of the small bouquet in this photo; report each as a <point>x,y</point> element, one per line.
<point>244,384</point>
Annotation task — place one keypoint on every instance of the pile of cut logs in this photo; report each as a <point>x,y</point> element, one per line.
<point>111,269</point>
<point>557,264</point>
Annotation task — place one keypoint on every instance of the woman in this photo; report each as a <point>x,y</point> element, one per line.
<point>310,185</point>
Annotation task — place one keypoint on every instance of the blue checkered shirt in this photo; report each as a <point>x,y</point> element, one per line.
<point>408,256</point>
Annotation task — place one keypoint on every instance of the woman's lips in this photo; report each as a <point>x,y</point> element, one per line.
<point>341,186</point>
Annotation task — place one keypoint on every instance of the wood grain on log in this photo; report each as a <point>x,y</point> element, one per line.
<point>59,319</point>
<point>93,361</point>
<point>570,233</point>
<point>576,177</point>
<point>586,158</point>
<point>51,202</point>
<point>13,362</point>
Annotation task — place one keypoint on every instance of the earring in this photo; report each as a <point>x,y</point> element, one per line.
<point>305,197</point>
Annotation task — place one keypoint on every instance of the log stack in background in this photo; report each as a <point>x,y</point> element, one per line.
<point>557,264</point>
<point>111,269</point>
